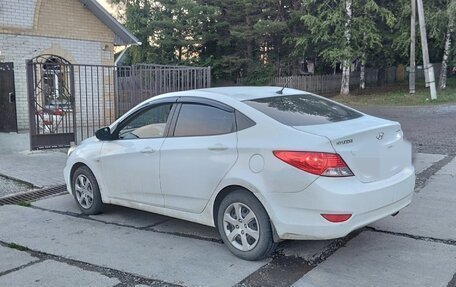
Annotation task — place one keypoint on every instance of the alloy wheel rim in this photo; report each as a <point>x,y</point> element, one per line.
<point>84,191</point>
<point>241,226</point>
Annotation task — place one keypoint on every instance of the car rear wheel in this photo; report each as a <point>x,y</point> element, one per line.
<point>86,191</point>
<point>244,226</point>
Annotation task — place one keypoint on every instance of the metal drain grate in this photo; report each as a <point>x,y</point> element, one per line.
<point>32,195</point>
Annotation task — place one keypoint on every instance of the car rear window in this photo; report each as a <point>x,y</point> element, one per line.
<point>302,110</point>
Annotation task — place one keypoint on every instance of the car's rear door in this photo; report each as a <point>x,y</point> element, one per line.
<point>130,163</point>
<point>201,149</point>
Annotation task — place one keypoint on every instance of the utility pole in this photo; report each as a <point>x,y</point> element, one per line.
<point>412,49</point>
<point>424,46</point>
<point>428,69</point>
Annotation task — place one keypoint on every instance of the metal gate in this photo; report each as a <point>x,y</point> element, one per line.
<point>51,102</point>
<point>8,116</point>
<point>68,102</point>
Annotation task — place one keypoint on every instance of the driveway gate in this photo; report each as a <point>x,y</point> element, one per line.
<point>51,102</point>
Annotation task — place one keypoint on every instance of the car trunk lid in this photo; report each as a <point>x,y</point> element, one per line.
<point>373,148</point>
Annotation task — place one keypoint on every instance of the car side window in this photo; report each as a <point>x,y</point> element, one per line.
<point>203,120</point>
<point>243,122</point>
<point>149,123</point>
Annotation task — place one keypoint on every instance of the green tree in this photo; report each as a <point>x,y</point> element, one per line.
<point>171,30</point>
<point>248,40</point>
<point>258,39</point>
<point>345,31</point>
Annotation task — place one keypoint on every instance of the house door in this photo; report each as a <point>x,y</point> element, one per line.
<point>8,117</point>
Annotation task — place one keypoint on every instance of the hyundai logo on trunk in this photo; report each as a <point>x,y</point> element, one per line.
<point>380,136</point>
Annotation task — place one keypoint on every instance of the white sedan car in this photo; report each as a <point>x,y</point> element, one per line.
<point>262,164</point>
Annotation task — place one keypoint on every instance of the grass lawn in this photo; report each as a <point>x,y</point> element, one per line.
<point>398,95</point>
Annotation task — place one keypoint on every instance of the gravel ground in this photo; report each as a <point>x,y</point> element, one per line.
<point>10,186</point>
<point>431,129</point>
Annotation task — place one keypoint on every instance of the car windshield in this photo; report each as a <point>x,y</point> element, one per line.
<point>302,110</point>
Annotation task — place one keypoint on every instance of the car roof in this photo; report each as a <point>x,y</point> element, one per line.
<point>238,93</point>
<point>242,93</point>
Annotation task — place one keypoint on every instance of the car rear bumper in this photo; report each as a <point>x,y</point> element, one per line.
<point>298,215</point>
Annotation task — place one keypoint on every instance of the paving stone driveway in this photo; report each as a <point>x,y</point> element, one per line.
<point>51,244</point>
<point>38,168</point>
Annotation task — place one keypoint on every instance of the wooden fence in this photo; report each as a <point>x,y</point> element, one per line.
<point>420,72</point>
<point>143,81</point>
<point>330,84</point>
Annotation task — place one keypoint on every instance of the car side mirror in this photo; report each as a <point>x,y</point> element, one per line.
<point>104,134</point>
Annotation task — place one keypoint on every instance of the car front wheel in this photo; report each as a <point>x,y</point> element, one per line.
<point>86,191</point>
<point>244,226</point>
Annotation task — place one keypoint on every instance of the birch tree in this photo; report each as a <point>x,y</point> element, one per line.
<point>329,25</point>
<point>362,72</point>
<point>447,48</point>
<point>346,62</point>
<point>345,31</point>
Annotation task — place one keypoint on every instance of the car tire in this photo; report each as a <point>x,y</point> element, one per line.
<point>244,226</point>
<point>86,191</point>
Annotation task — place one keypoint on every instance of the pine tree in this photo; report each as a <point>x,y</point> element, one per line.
<point>171,30</point>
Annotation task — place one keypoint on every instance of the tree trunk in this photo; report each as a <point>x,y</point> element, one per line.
<point>362,74</point>
<point>345,84</point>
<point>412,73</point>
<point>446,52</point>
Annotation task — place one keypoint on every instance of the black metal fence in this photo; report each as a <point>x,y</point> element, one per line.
<point>95,98</point>
<point>143,81</point>
<point>68,102</point>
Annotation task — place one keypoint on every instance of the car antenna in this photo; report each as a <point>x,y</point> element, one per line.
<point>284,86</point>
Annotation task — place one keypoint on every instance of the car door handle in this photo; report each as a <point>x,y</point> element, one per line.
<point>148,150</point>
<point>218,147</point>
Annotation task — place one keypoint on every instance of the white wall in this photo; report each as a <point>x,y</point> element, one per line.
<point>17,49</point>
<point>17,13</point>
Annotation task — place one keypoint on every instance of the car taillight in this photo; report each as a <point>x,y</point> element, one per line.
<point>336,218</point>
<point>319,163</point>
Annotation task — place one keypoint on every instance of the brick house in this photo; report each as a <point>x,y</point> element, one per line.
<point>73,31</point>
